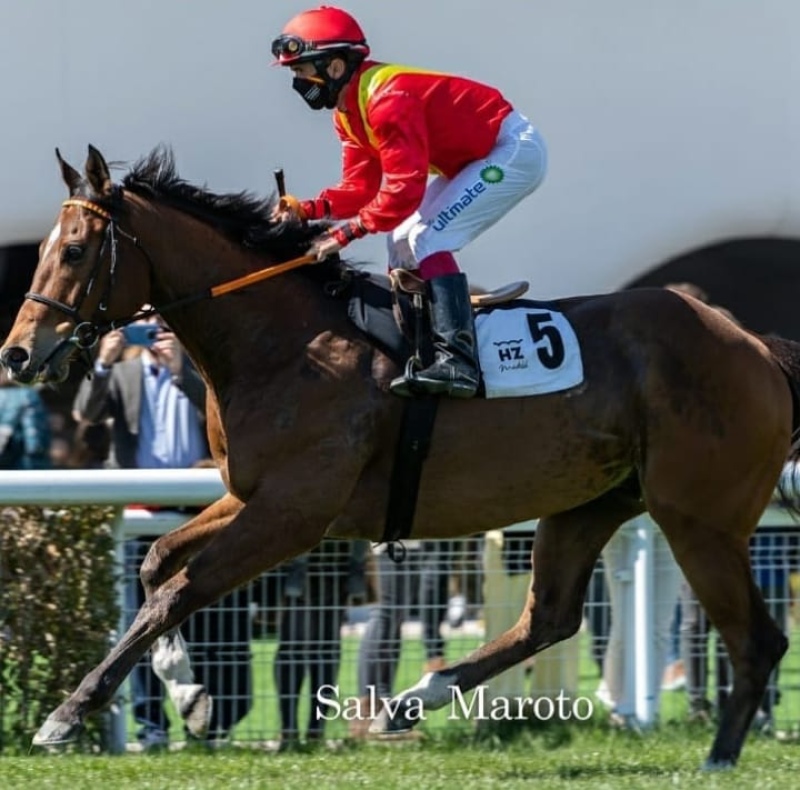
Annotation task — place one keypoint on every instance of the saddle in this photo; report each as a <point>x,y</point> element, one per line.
<point>391,311</point>
<point>408,283</point>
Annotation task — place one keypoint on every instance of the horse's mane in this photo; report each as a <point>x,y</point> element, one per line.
<point>241,216</point>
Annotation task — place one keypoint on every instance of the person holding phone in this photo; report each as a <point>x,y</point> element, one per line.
<point>145,384</point>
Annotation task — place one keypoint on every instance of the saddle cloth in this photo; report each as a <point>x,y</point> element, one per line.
<point>527,348</point>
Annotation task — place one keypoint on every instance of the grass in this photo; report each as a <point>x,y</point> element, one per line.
<point>451,755</point>
<point>555,756</point>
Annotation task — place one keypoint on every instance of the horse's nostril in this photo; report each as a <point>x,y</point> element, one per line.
<point>14,357</point>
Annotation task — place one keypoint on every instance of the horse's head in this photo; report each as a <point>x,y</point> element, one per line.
<point>78,287</point>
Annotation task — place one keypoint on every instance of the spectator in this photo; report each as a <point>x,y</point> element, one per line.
<point>24,427</point>
<point>155,402</point>
<point>597,615</point>
<point>316,590</point>
<point>421,580</point>
<point>675,672</point>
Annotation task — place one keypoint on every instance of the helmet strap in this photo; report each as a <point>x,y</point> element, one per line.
<point>334,85</point>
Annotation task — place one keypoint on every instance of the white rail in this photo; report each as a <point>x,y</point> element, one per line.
<point>111,487</point>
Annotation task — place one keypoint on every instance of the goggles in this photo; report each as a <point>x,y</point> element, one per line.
<point>288,47</point>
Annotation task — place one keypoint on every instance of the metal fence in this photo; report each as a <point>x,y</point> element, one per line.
<point>308,649</point>
<point>306,656</point>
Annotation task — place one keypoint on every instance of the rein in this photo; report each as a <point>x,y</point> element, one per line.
<point>85,334</point>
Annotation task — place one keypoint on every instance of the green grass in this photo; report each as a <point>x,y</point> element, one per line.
<point>550,757</point>
<point>450,756</point>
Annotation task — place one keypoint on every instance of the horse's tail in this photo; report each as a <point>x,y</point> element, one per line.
<point>787,354</point>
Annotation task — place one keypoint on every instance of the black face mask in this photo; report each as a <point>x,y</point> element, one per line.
<point>325,93</point>
<point>315,94</point>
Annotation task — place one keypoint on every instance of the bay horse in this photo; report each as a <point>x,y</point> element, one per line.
<point>681,413</point>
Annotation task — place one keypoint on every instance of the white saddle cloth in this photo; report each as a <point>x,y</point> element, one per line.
<point>526,348</point>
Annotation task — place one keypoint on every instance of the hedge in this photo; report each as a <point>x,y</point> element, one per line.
<point>58,613</point>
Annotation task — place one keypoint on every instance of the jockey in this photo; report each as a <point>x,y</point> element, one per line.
<point>397,125</point>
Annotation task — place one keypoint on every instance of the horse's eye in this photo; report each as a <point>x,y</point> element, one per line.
<point>72,253</point>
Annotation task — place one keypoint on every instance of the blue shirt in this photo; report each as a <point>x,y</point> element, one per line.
<point>24,429</point>
<point>170,433</point>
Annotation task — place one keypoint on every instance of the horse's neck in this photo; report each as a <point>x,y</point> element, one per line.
<point>228,334</point>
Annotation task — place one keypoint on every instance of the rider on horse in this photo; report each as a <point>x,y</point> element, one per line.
<point>397,124</point>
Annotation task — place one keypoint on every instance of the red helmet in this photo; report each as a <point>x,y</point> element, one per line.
<point>318,32</point>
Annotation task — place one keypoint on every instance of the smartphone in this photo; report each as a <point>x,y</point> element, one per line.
<point>140,334</point>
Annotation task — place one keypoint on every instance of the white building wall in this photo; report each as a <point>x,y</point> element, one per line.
<point>670,125</point>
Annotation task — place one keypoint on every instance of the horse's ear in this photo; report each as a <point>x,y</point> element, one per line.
<point>72,178</point>
<point>97,173</point>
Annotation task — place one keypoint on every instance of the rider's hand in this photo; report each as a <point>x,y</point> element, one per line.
<point>288,208</point>
<point>324,247</point>
<point>337,239</point>
<point>110,348</point>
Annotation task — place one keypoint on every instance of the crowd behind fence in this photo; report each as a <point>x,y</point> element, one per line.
<point>485,579</point>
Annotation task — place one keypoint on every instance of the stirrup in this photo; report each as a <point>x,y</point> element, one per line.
<point>406,386</point>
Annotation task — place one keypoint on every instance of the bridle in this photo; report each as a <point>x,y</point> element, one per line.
<point>86,333</point>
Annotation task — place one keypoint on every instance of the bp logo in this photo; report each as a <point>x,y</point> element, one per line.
<point>492,174</point>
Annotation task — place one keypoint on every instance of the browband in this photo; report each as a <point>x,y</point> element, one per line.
<point>89,206</point>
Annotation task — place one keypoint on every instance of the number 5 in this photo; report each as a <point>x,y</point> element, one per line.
<point>547,339</point>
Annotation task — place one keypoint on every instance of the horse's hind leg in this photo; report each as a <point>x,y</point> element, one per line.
<point>565,551</point>
<point>717,566</point>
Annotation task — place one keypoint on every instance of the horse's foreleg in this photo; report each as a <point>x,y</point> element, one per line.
<point>170,656</point>
<point>235,554</point>
<point>565,552</point>
<point>717,566</point>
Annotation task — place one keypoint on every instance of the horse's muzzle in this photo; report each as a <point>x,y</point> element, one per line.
<point>18,363</point>
<point>14,359</point>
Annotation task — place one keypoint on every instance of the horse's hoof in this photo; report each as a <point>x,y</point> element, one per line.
<point>712,764</point>
<point>196,712</point>
<point>56,733</point>
<point>384,724</point>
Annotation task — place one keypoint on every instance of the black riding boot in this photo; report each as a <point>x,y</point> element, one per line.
<point>455,369</point>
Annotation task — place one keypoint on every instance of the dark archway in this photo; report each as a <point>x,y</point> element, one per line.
<point>758,280</point>
<point>17,263</point>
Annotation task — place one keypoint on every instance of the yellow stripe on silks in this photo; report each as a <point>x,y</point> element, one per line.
<point>369,82</point>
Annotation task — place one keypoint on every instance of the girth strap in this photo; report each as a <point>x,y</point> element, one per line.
<point>416,429</point>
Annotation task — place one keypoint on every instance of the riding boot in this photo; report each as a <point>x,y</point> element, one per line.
<point>455,370</point>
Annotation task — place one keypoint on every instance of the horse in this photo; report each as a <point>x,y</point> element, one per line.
<point>681,413</point>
